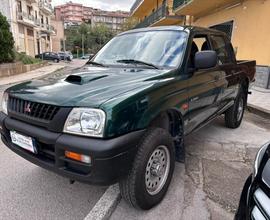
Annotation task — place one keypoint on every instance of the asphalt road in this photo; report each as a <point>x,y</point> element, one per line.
<point>30,192</point>
<point>208,186</point>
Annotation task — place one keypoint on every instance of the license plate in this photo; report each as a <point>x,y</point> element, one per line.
<point>22,141</point>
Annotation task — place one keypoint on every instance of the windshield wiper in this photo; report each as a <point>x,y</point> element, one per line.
<point>95,63</point>
<point>131,61</point>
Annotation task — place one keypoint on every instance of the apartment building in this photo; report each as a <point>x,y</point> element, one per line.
<point>74,14</point>
<point>112,19</point>
<point>30,22</point>
<point>155,13</point>
<point>245,21</point>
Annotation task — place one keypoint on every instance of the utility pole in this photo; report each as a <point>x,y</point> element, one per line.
<point>83,44</point>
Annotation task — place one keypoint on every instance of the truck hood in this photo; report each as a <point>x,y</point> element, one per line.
<point>85,87</point>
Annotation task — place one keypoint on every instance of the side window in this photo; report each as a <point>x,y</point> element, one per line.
<point>200,43</point>
<point>219,45</point>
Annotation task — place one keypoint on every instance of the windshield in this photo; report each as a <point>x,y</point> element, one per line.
<point>160,48</point>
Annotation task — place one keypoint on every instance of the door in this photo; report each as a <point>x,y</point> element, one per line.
<point>204,86</point>
<point>227,64</point>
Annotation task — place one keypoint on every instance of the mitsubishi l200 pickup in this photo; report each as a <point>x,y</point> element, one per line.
<point>124,115</point>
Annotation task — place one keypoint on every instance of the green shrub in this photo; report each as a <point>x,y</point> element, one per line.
<point>25,59</point>
<point>6,41</point>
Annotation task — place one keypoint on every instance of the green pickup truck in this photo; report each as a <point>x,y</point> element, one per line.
<point>124,115</point>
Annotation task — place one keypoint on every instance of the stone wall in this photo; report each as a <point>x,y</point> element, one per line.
<point>10,69</point>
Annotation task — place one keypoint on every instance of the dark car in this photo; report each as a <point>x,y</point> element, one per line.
<point>66,56</point>
<point>123,116</point>
<point>255,198</point>
<point>49,56</point>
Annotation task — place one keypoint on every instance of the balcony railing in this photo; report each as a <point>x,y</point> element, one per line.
<point>45,6</point>
<point>160,13</point>
<point>26,18</point>
<point>179,3</point>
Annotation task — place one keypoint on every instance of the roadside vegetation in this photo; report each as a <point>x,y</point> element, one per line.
<point>6,41</point>
<point>25,59</point>
<point>92,39</point>
<point>87,37</point>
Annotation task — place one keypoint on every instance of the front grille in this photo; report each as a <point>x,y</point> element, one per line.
<point>32,109</point>
<point>262,208</point>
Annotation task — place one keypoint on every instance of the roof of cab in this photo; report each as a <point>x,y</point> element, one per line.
<point>188,29</point>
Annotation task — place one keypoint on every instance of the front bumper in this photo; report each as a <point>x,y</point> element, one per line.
<point>111,159</point>
<point>243,210</point>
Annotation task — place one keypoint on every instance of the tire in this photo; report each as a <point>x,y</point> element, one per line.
<point>147,183</point>
<point>56,61</point>
<point>234,115</point>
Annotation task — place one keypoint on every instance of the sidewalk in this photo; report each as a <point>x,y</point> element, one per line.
<point>32,74</point>
<point>259,101</point>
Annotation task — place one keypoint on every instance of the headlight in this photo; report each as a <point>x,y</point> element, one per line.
<point>259,158</point>
<point>5,103</point>
<point>86,122</point>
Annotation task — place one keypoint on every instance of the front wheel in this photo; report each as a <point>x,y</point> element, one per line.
<point>234,115</point>
<point>152,170</point>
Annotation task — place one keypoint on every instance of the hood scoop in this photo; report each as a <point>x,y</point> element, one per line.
<point>83,78</point>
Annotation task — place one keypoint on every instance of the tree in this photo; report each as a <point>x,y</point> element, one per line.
<point>92,37</point>
<point>6,41</point>
<point>129,24</point>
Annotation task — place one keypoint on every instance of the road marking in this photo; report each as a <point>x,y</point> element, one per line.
<point>106,204</point>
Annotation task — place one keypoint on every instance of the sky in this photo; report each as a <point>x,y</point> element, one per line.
<point>110,5</point>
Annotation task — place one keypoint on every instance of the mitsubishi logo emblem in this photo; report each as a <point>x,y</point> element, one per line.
<point>27,108</point>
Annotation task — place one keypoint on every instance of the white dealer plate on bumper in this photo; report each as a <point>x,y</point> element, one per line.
<point>22,141</point>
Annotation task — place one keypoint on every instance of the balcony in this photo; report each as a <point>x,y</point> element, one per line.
<point>198,8</point>
<point>162,16</point>
<point>26,19</point>
<point>135,5</point>
<point>48,28</point>
<point>45,6</point>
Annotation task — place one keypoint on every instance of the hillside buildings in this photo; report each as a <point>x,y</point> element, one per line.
<point>74,14</point>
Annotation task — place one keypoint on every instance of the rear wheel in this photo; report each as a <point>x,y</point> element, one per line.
<point>234,115</point>
<point>152,170</point>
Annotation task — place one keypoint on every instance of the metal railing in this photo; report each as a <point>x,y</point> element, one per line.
<point>179,3</point>
<point>160,13</point>
<point>45,5</point>
<point>23,16</point>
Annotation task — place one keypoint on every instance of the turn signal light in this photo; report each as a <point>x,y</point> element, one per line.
<point>78,157</point>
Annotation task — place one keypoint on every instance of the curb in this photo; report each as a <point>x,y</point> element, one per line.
<point>106,204</point>
<point>259,111</point>
<point>28,76</point>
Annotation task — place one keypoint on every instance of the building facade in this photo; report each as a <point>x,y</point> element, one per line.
<point>245,21</point>
<point>155,13</point>
<point>74,14</point>
<point>30,22</point>
<point>58,39</point>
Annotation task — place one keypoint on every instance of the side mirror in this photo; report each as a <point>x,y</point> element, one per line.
<point>206,59</point>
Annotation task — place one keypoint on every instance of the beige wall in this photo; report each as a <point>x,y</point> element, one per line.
<point>251,29</point>
<point>59,36</point>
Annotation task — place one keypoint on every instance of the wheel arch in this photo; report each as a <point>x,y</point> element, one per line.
<point>172,120</point>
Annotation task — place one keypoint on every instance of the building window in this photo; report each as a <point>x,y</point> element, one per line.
<point>47,20</point>
<point>28,10</point>
<point>19,6</point>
